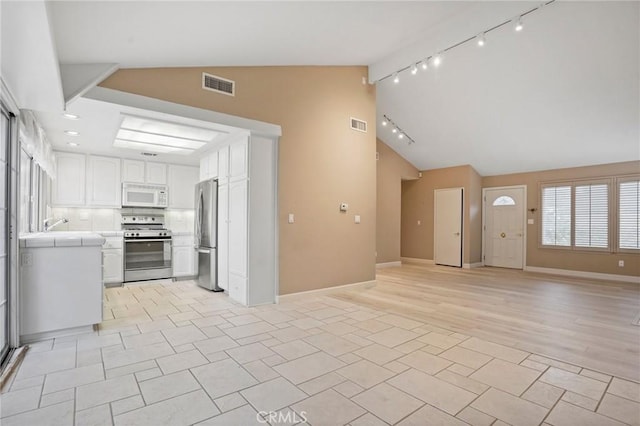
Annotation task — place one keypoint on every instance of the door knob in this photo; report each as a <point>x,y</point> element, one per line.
<point>457,234</point>
<point>502,235</point>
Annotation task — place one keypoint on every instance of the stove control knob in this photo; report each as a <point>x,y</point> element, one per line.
<point>133,218</point>
<point>137,234</point>
<point>153,218</point>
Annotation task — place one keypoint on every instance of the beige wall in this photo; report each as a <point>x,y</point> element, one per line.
<point>390,171</point>
<point>418,203</point>
<point>322,162</point>
<point>568,259</point>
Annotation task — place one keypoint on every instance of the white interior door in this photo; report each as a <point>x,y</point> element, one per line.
<point>448,227</point>
<point>504,227</point>
<point>5,132</point>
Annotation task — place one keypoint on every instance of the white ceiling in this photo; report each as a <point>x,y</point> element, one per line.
<point>239,33</point>
<point>564,92</point>
<point>100,121</point>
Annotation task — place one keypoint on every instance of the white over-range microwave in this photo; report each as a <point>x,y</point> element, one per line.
<point>141,195</point>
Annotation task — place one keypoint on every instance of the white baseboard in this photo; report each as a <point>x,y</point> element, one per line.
<point>472,265</point>
<point>328,290</point>
<point>389,264</point>
<point>583,274</point>
<point>417,260</point>
<point>38,337</point>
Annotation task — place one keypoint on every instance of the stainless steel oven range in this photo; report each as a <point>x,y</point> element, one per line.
<point>147,247</point>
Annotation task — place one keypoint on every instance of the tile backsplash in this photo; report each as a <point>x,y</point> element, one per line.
<point>83,219</point>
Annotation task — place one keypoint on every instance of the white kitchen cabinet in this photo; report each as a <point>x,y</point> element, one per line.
<point>103,181</point>
<point>238,159</point>
<point>223,237</point>
<point>184,256</point>
<point>209,166</point>
<point>69,186</point>
<point>133,171</point>
<point>223,165</point>
<point>156,173</point>
<point>182,184</point>
<point>112,260</point>
<point>247,222</point>
<point>204,168</point>
<point>237,247</point>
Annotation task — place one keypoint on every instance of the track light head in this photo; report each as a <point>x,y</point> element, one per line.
<point>437,60</point>
<point>414,69</point>
<point>425,65</point>
<point>396,78</point>
<point>518,24</point>
<point>481,40</point>
<point>384,122</point>
<point>394,130</point>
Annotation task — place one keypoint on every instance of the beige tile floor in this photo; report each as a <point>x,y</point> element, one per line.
<point>174,354</point>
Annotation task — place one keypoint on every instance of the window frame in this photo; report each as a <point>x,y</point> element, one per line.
<point>617,181</point>
<point>612,213</point>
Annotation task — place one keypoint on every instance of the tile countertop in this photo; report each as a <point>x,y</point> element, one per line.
<point>62,239</point>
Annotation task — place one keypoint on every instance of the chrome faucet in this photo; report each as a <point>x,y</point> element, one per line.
<point>48,227</point>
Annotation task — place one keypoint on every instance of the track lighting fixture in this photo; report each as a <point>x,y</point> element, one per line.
<point>480,39</point>
<point>518,24</point>
<point>397,130</point>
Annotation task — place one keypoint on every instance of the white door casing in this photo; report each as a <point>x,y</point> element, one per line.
<point>448,227</point>
<point>504,226</point>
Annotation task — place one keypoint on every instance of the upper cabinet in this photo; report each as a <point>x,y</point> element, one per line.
<point>103,181</point>
<point>133,171</point>
<point>156,173</point>
<point>139,171</point>
<point>238,160</point>
<point>69,186</point>
<point>182,186</point>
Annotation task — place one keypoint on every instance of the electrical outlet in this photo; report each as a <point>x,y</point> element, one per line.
<point>621,263</point>
<point>291,218</point>
<point>27,259</point>
<point>530,221</point>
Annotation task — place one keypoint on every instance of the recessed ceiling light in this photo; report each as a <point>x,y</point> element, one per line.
<point>72,144</point>
<point>71,133</point>
<point>70,116</point>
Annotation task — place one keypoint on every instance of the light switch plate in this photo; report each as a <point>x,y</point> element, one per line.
<point>357,218</point>
<point>291,218</point>
<point>530,221</point>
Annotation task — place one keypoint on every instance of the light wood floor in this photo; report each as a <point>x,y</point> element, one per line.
<point>580,321</point>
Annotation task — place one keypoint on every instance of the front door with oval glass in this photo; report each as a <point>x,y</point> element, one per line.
<point>504,227</point>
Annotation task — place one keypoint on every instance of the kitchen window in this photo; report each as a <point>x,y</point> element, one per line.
<point>576,215</point>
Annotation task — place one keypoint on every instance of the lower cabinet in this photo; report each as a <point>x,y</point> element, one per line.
<point>184,256</point>
<point>112,261</point>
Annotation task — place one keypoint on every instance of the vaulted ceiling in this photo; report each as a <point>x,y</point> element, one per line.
<point>562,92</point>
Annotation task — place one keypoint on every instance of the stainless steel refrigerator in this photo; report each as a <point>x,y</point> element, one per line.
<point>206,240</point>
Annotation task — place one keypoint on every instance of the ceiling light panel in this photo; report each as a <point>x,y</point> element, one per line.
<point>161,149</point>
<point>157,139</point>
<point>147,125</point>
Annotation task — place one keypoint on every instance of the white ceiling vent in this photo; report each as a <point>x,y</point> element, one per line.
<point>218,84</point>
<point>359,125</point>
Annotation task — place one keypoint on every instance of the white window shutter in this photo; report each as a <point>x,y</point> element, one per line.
<point>592,215</point>
<point>629,215</point>
<point>556,216</point>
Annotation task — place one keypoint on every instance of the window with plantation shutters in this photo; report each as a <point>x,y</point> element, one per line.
<point>591,215</point>
<point>629,215</point>
<point>556,216</point>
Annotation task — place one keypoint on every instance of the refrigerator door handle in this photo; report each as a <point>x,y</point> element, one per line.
<point>199,218</point>
<point>201,250</point>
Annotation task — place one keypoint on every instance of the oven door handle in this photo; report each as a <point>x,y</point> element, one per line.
<point>160,240</point>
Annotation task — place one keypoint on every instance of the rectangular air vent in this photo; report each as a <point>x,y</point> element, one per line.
<point>358,125</point>
<point>218,84</point>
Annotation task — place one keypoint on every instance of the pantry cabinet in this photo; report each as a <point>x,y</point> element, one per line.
<point>247,252</point>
